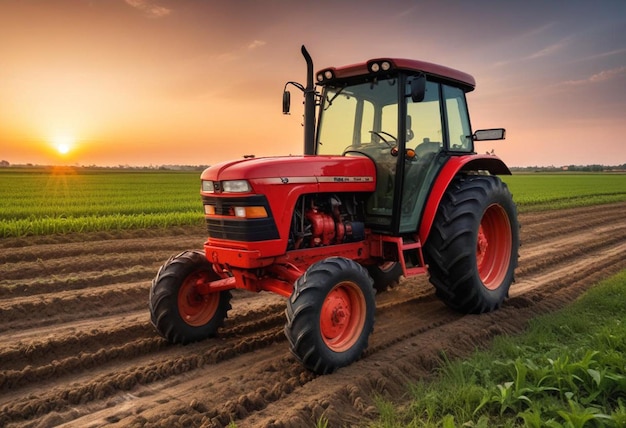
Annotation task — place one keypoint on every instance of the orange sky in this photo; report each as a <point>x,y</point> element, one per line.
<point>140,82</point>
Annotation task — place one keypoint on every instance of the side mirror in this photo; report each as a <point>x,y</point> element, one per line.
<point>418,88</point>
<point>489,134</point>
<point>286,102</point>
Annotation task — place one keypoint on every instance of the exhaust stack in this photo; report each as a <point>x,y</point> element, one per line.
<point>309,106</point>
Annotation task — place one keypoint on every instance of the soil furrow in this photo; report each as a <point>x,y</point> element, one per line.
<point>550,224</point>
<point>32,247</point>
<point>106,385</point>
<point>87,262</point>
<point>75,281</point>
<point>19,355</point>
<point>36,311</point>
<point>536,257</point>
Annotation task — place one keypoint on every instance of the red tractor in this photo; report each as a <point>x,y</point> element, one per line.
<point>389,185</point>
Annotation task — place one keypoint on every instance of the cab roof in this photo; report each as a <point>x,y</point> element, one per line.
<point>459,78</point>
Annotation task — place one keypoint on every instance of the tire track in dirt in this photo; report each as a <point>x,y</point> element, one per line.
<point>118,370</point>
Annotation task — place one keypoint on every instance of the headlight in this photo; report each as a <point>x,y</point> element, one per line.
<point>250,212</point>
<point>325,75</point>
<point>376,67</point>
<point>236,186</point>
<point>207,186</point>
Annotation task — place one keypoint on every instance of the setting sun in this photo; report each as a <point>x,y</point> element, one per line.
<point>63,144</point>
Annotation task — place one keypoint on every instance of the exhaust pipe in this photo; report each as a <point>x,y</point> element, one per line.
<point>309,106</point>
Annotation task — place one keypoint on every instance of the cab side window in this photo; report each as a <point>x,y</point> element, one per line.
<point>459,134</point>
<point>425,132</point>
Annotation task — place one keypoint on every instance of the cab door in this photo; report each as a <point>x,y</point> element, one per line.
<point>435,131</point>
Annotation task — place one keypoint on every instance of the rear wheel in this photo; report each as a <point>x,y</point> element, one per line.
<point>330,314</point>
<point>177,310</point>
<point>385,275</point>
<point>472,248</point>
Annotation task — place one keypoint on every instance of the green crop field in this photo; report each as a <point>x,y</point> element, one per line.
<point>49,201</point>
<point>64,200</point>
<point>534,192</point>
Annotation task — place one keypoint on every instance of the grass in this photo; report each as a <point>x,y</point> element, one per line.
<point>568,370</point>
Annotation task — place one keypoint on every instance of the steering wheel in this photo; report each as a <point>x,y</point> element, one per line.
<point>380,134</point>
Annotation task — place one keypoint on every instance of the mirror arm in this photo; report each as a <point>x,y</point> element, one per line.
<point>296,84</point>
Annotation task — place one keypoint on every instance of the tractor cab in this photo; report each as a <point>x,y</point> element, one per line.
<point>408,117</point>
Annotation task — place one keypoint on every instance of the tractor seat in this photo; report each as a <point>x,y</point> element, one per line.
<point>427,147</point>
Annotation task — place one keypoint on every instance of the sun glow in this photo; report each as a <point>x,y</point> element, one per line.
<point>63,144</point>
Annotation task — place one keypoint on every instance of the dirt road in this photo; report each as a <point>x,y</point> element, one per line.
<point>77,347</point>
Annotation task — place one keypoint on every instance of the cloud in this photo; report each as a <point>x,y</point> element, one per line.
<point>548,50</point>
<point>543,52</point>
<point>602,76</point>
<point>151,10</point>
<point>602,55</point>
<point>256,44</point>
<point>407,12</point>
<point>537,31</point>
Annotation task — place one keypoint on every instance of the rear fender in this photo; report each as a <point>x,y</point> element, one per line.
<point>493,164</point>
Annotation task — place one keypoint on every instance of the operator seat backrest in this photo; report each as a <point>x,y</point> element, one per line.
<point>426,147</point>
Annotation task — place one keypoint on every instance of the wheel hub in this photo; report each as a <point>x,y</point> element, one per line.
<point>196,309</point>
<point>335,313</point>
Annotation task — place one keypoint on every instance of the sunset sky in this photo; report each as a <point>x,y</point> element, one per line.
<point>151,82</point>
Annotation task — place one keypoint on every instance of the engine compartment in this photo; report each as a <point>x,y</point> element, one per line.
<point>327,219</point>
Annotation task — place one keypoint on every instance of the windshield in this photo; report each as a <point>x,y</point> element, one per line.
<point>353,116</point>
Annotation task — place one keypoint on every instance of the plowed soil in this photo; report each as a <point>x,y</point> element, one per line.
<point>77,347</point>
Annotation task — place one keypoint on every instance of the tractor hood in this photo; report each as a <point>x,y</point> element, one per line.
<point>296,169</point>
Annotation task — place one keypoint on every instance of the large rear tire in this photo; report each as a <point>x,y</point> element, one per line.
<point>178,312</point>
<point>385,275</point>
<point>330,314</point>
<point>472,248</point>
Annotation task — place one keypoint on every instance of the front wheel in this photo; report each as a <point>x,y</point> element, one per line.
<point>472,248</point>
<point>177,310</point>
<point>330,314</point>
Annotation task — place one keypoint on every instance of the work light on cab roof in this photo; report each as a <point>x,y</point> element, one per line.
<point>389,185</point>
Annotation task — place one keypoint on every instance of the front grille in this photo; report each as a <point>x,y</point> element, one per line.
<point>236,229</point>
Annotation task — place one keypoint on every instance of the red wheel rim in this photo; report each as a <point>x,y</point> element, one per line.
<point>194,308</point>
<point>343,316</point>
<point>493,246</point>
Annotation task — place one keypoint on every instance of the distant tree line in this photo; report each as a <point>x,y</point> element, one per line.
<point>6,164</point>
<point>574,168</point>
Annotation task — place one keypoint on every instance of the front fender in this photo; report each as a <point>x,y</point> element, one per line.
<point>493,164</point>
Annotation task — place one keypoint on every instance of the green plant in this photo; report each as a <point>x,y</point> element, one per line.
<point>322,422</point>
<point>578,415</point>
